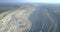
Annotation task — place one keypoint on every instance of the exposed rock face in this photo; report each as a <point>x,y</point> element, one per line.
<point>16,21</point>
